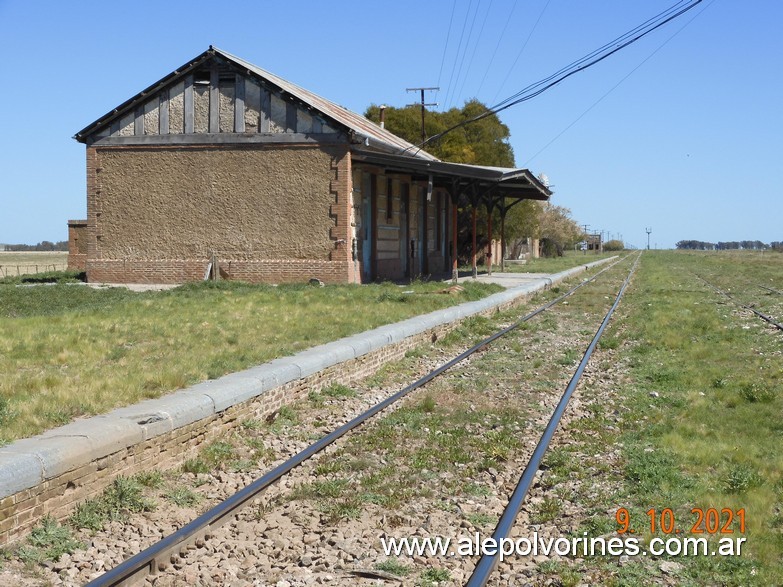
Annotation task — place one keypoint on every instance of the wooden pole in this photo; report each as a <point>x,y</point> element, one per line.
<point>473,252</point>
<point>454,268</point>
<point>489,239</point>
<point>503,235</point>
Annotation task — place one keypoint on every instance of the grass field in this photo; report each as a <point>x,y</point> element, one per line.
<point>27,262</point>
<point>556,264</point>
<point>700,411</point>
<point>68,350</point>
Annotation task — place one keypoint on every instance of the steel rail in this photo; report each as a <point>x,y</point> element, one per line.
<point>147,560</point>
<point>487,563</point>
<point>775,291</point>
<point>761,315</point>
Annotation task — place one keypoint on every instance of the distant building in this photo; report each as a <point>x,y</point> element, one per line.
<point>221,160</point>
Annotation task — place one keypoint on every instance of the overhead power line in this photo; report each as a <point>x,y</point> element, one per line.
<point>459,47</point>
<point>497,46</point>
<point>614,87</point>
<point>465,52</point>
<point>521,50</point>
<point>475,47</point>
<point>448,36</point>
<point>585,62</point>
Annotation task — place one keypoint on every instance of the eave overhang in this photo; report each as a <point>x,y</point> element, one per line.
<point>500,181</point>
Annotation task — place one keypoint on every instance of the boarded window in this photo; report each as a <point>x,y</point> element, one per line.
<point>277,124</point>
<point>252,105</point>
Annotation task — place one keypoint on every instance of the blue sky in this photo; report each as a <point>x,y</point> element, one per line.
<point>689,144</point>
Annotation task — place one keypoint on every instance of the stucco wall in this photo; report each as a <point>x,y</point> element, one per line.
<point>242,203</point>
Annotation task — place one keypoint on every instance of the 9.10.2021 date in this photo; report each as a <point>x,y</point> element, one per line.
<point>705,521</point>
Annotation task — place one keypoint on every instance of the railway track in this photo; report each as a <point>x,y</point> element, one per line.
<point>750,307</point>
<point>178,558</point>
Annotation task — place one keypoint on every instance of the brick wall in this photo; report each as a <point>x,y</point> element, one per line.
<point>77,245</point>
<point>60,495</point>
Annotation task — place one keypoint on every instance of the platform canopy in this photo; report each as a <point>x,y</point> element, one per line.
<point>478,182</point>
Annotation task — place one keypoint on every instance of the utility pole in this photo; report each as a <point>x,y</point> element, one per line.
<point>422,90</point>
<point>648,231</point>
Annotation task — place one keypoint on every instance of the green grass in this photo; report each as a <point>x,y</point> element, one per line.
<point>702,408</point>
<point>88,350</point>
<point>556,264</point>
<point>394,567</point>
<point>48,541</point>
<point>433,576</point>
<point>182,496</point>
<point>122,498</point>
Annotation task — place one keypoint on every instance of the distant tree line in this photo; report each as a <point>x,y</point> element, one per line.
<point>694,245</point>
<point>42,246</point>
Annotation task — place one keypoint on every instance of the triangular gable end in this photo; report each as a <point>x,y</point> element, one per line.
<point>212,95</point>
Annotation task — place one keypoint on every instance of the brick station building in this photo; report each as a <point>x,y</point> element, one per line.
<point>223,165</point>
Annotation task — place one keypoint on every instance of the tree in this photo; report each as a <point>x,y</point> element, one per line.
<point>522,221</point>
<point>557,228</point>
<point>484,142</point>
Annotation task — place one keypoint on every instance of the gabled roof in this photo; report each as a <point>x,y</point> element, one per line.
<point>364,130</point>
<point>372,144</point>
<point>360,125</point>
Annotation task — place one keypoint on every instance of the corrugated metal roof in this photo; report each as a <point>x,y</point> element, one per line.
<point>375,136</point>
<point>356,122</point>
<point>519,183</point>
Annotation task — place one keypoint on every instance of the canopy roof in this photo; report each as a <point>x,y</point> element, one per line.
<point>476,180</point>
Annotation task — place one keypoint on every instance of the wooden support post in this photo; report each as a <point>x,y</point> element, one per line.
<point>454,267</point>
<point>214,100</point>
<point>239,104</point>
<point>138,122</point>
<point>188,105</point>
<point>163,120</point>
<point>265,114</point>
<point>489,238</point>
<point>373,227</point>
<point>473,230</point>
<point>503,234</point>
<point>425,253</point>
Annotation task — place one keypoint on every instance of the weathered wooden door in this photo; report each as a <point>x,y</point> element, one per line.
<point>367,220</point>
<point>404,236</point>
